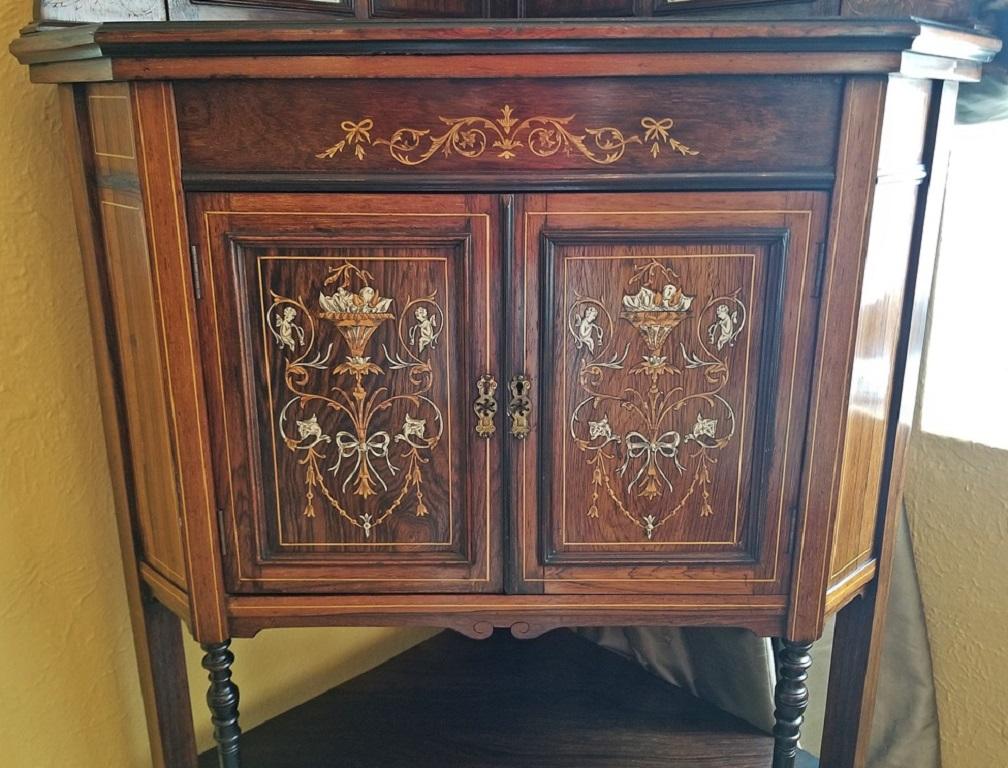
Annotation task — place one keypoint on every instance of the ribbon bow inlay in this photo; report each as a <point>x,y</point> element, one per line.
<point>376,445</point>
<point>358,131</point>
<point>656,130</point>
<point>665,445</point>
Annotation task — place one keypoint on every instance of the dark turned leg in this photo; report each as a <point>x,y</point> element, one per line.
<point>223,700</point>
<point>791,698</point>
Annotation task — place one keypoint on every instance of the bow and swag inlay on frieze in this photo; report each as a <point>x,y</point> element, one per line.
<point>357,458</point>
<point>642,470</point>
<point>507,136</point>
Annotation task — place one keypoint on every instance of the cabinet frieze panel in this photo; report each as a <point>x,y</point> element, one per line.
<point>586,125</point>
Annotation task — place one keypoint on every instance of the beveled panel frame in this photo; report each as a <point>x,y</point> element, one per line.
<point>773,245</point>
<point>765,567</point>
<point>255,562</point>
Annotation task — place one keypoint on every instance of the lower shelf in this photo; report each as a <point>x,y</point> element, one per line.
<point>556,702</point>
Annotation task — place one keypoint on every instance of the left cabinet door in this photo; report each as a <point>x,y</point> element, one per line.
<point>344,340</point>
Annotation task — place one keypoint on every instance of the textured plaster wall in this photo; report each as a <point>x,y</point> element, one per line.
<point>69,695</point>
<point>957,498</point>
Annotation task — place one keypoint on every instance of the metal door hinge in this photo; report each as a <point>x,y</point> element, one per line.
<point>221,531</point>
<point>793,536</point>
<point>195,266</point>
<point>820,271</point>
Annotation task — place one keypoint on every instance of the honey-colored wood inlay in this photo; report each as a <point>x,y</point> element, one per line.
<point>506,136</point>
<point>331,428</point>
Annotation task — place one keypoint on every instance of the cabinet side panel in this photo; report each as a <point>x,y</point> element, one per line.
<point>130,281</point>
<point>153,112</point>
<point>900,173</point>
<point>841,281</point>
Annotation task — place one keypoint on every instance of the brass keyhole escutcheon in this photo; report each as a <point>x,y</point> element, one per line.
<point>520,406</point>
<point>485,406</point>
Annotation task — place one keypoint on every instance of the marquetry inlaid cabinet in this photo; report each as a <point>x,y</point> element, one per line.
<point>484,324</point>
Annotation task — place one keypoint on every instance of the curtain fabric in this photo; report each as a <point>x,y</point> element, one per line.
<point>735,670</point>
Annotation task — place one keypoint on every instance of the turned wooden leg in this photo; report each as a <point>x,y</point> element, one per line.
<point>223,700</point>
<point>791,698</point>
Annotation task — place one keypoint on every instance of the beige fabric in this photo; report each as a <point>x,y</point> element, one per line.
<point>734,669</point>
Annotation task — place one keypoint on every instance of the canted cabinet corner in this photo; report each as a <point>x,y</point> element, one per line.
<point>497,325</point>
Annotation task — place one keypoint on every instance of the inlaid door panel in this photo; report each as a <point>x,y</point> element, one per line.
<point>667,339</point>
<point>345,336</point>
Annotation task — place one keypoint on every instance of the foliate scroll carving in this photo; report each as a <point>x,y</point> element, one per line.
<point>506,137</point>
<point>660,460</point>
<point>334,428</point>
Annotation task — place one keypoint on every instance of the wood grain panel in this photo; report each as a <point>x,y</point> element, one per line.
<point>534,9</point>
<point>157,636</point>
<point>342,391</point>
<point>130,282</point>
<point>598,125</point>
<point>621,515</point>
<point>428,8</point>
<point>175,291</point>
<point>881,302</point>
<point>837,323</point>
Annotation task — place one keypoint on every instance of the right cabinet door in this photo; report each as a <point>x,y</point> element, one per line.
<point>667,339</point>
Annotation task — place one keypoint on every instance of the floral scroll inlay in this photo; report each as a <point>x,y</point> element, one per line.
<point>660,458</point>
<point>355,457</point>
<point>507,136</point>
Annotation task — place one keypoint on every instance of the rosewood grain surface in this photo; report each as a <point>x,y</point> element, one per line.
<point>879,316</point>
<point>597,125</point>
<point>157,635</point>
<point>834,332</point>
<point>729,417</point>
<point>860,626</point>
<point>133,307</point>
<point>343,337</point>
<point>175,291</point>
<point>556,702</point>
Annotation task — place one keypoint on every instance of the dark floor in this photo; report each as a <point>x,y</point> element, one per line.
<point>556,702</point>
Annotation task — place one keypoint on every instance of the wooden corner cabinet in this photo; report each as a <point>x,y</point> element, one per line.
<point>481,324</point>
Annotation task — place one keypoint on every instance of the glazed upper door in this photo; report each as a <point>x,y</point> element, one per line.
<point>345,338</point>
<point>667,339</point>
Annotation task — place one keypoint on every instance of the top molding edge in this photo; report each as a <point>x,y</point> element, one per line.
<point>105,42</point>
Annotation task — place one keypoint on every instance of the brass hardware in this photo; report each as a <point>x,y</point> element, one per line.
<point>520,406</point>
<point>485,406</point>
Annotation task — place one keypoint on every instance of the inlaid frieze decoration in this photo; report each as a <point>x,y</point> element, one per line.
<point>359,400</point>
<point>655,369</point>
<point>506,137</point>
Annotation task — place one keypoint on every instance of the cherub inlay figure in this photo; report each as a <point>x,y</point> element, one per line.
<point>587,331</point>
<point>287,329</point>
<point>423,334</point>
<point>724,327</point>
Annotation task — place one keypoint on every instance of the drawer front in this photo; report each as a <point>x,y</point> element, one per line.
<point>674,336</point>
<point>344,337</point>
<point>591,126</point>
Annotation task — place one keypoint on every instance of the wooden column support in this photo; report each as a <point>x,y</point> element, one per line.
<point>222,698</point>
<point>791,699</point>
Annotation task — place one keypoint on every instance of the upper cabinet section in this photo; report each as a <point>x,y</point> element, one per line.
<point>204,10</point>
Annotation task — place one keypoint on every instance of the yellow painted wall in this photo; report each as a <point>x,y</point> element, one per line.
<point>957,500</point>
<point>69,695</point>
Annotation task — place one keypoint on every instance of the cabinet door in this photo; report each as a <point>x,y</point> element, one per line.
<point>668,340</point>
<point>343,339</point>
